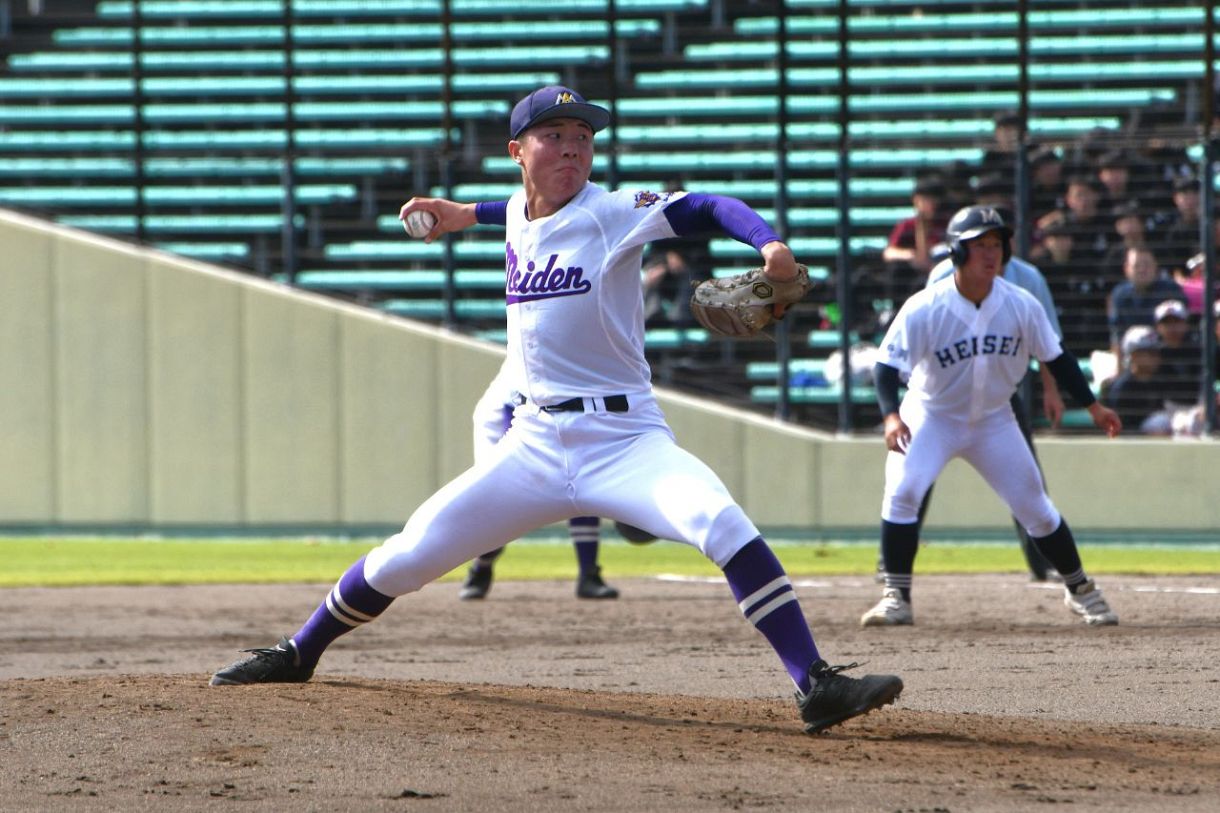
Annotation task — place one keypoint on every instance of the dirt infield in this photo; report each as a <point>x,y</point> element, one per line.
<point>665,700</point>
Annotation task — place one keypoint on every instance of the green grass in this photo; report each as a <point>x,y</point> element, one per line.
<point>54,561</point>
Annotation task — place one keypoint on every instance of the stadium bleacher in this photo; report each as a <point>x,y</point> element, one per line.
<point>348,98</point>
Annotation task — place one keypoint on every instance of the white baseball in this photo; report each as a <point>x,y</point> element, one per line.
<point>419,223</point>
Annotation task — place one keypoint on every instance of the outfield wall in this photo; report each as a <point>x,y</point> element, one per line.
<point>139,390</point>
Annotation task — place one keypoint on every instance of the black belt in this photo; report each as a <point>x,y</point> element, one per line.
<point>614,403</point>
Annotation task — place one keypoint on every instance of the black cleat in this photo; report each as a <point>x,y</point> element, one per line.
<point>590,585</point>
<point>835,697</point>
<point>478,582</point>
<point>277,664</point>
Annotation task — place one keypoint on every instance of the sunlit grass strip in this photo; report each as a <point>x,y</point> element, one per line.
<point>81,561</point>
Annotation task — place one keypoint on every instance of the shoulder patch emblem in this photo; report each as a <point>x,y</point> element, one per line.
<point>644,199</point>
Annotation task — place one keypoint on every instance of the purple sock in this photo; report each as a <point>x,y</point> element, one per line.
<point>767,600</point>
<point>350,603</point>
<point>585,532</point>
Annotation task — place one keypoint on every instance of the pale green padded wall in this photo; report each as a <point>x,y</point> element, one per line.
<point>101,383</point>
<point>27,376</point>
<point>194,357</point>
<point>143,390</point>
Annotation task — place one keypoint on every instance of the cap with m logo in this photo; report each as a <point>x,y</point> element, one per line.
<point>555,101</point>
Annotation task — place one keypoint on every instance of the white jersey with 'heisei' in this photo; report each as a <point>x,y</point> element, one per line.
<point>964,360</point>
<point>575,308</point>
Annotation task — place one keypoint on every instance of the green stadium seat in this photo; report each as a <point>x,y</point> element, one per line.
<point>923,22</point>
<point>405,249</point>
<point>246,112</point>
<point>435,308</point>
<point>802,246</point>
<point>829,339</point>
<point>65,168</point>
<point>74,87</point>
<point>51,140</point>
<point>356,34</point>
<point>670,162</point>
<point>206,251</point>
<point>720,106</point>
<point>310,59</point>
<point>768,370</point>
<point>160,9</point>
<point>53,196</point>
<point>178,224</point>
<point>397,280</point>
<point>766,394</point>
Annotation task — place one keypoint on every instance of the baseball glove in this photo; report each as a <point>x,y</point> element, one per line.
<point>741,305</point>
<point>634,535</point>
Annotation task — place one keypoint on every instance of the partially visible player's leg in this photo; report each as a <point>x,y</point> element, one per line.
<point>908,478</point>
<point>1005,461</point>
<point>655,484</point>
<point>586,541</point>
<point>481,510</point>
<point>1039,568</point>
<point>652,483</point>
<point>479,576</point>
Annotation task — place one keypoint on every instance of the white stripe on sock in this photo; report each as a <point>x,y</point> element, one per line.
<point>342,611</point>
<point>766,589</point>
<point>775,603</point>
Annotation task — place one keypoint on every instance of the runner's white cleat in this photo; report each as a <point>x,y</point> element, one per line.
<point>1088,603</point>
<point>891,611</point>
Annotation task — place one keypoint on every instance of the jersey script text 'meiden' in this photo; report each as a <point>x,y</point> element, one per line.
<point>534,283</point>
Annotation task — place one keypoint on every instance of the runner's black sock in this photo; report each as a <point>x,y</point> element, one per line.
<point>899,543</point>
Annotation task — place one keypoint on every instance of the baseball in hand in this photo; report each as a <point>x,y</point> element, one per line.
<point>419,223</point>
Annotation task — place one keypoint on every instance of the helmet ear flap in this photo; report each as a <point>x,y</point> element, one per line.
<point>958,252</point>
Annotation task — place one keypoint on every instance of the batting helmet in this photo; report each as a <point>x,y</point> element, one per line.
<point>972,222</point>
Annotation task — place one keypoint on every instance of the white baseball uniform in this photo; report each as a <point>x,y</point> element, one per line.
<point>575,331</point>
<point>964,362</point>
<point>493,413</point>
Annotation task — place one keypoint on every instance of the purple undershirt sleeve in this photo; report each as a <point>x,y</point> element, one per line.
<point>492,212</point>
<point>697,212</point>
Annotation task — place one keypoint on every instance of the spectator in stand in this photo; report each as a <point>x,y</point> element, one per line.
<point>1078,290</point>
<point>1091,229</point>
<point>1130,229</point>
<point>1181,354</point>
<point>1114,174</point>
<point>672,270</point>
<point>1001,157</point>
<point>1057,250</point>
<point>1134,301</point>
<point>908,254</point>
<point>1136,394</point>
<point>957,179</point>
<point>993,189</point>
<point>1162,164</point>
<point>1046,182</point>
<point>1191,280</point>
<point>1175,233</point>
<point>1216,327</point>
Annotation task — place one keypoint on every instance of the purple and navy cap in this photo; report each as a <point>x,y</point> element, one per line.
<point>555,101</point>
